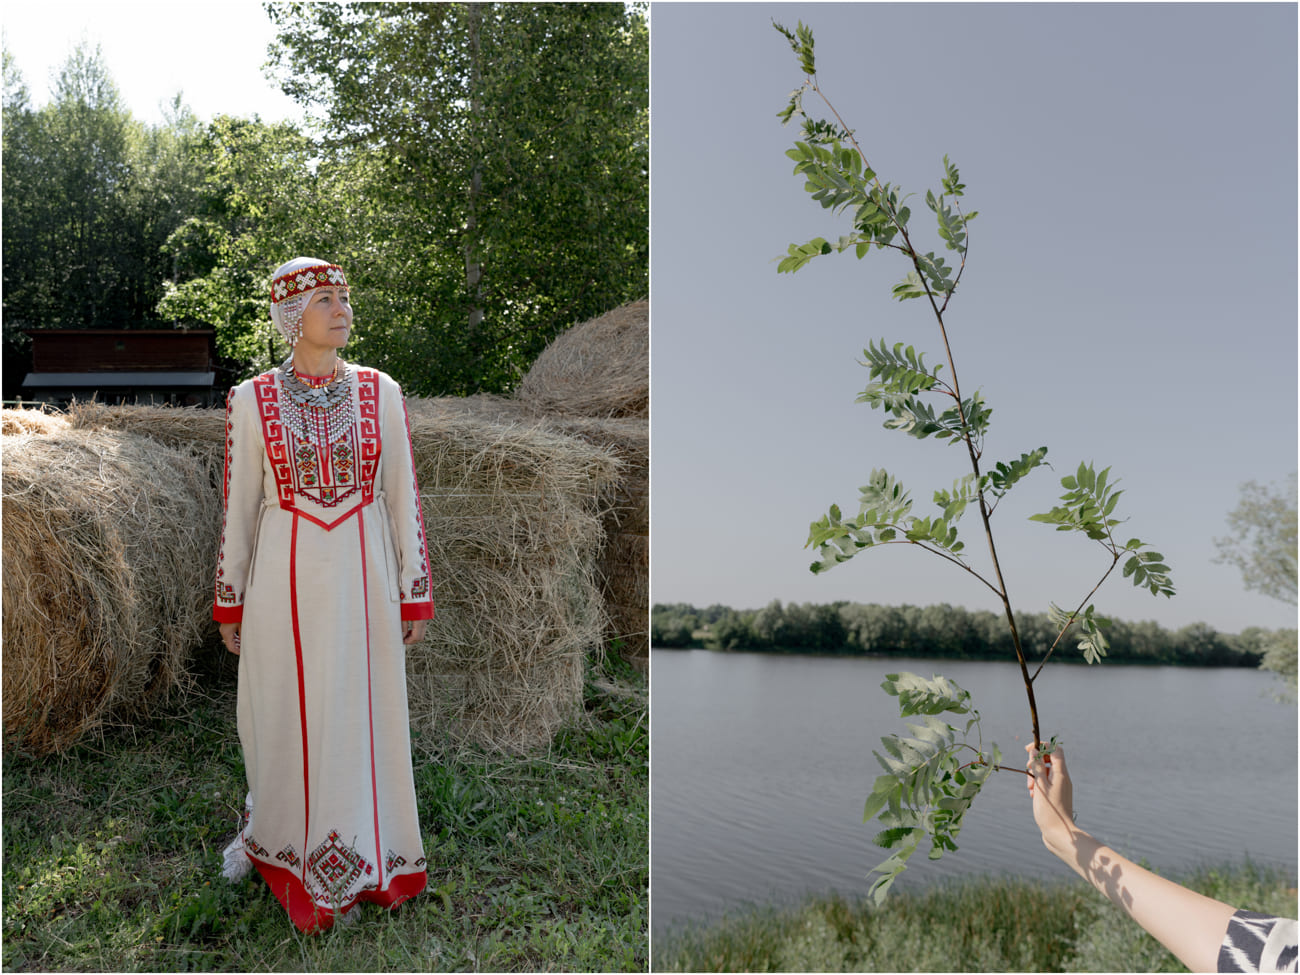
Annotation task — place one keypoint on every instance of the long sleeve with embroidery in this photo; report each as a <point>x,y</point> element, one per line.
<point>242,504</point>
<point>403,493</point>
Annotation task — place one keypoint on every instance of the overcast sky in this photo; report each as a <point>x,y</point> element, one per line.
<point>1129,298</point>
<point>210,52</point>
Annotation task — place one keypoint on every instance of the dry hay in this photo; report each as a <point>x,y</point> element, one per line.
<point>513,520</point>
<point>19,421</point>
<point>599,368</point>
<point>108,537</point>
<point>625,559</point>
<point>194,429</point>
<point>513,513</point>
<point>623,564</point>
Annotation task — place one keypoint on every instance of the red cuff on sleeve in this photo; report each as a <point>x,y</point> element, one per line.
<point>418,611</point>
<point>228,614</point>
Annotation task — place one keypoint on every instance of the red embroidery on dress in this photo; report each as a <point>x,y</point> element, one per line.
<point>226,595</point>
<point>420,586</point>
<point>324,476</point>
<point>335,867</point>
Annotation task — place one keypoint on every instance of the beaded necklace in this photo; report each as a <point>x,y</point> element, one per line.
<point>317,411</point>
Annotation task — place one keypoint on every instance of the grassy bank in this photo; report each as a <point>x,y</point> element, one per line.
<point>990,926</point>
<point>112,853</point>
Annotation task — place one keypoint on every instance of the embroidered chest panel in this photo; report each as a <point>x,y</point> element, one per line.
<point>327,470</point>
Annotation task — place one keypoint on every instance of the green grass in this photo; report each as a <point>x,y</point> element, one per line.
<point>112,853</point>
<point>1000,925</point>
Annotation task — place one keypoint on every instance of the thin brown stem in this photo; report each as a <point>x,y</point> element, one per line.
<point>967,434</point>
<point>944,555</point>
<point>1105,575</point>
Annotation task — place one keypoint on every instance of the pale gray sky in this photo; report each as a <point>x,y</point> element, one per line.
<point>211,52</point>
<point>1129,299</point>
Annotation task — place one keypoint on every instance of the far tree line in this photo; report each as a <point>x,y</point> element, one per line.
<point>480,169</point>
<point>940,630</point>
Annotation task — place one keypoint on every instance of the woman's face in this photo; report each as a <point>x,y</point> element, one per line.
<point>327,319</point>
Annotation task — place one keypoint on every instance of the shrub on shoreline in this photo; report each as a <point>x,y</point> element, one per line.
<point>997,924</point>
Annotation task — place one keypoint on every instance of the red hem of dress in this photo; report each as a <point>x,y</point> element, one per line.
<point>417,611</point>
<point>310,917</point>
<point>228,614</point>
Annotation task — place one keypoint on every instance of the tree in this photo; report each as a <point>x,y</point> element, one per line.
<point>1263,546</point>
<point>510,192</point>
<point>90,195</point>
<point>261,199</point>
<point>926,787</point>
<point>1263,540</point>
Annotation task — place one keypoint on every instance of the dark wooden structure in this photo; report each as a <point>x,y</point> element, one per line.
<point>147,366</point>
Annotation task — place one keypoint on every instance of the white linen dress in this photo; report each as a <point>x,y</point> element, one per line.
<point>322,557</point>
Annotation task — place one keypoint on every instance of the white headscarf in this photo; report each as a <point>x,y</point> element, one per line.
<point>291,286</point>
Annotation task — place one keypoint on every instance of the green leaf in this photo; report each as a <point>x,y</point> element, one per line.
<point>910,287</point>
<point>925,790</point>
<point>1004,476</point>
<point>917,695</point>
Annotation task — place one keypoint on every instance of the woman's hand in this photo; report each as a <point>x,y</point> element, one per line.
<point>1053,796</point>
<point>230,637</point>
<point>1189,924</point>
<point>413,631</point>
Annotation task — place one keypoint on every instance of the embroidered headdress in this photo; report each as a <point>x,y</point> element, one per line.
<point>292,284</point>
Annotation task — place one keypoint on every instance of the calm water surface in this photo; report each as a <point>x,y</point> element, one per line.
<point>761,764</point>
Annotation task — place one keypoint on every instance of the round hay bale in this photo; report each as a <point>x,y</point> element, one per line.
<point>19,421</point>
<point>513,522</point>
<point>600,368</point>
<point>625,557</point>
<point>625,581</point>
<point>193,429</point>
<point>623,564</point>
<point>108,546</point>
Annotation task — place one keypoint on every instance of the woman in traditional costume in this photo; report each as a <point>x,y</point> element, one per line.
<point>322,580</point>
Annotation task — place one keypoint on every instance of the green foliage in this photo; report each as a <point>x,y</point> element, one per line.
<point>1263,547</point>
<point>90,195</point>
<point>926,790</point>
<point>954,632</point>
<point>262,197</point>
<point>112,853</point>
<point>500,160</point>
<point>1263,540</point>
<point>984,925</point>
<point>1093,642</point>
<point>883,517</point>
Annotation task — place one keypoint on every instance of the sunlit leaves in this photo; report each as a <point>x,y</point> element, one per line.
<point>1148,570</point>
<point>1004,475</point>
<point>954,502</point>
<point>800,254</point>
<point>801,43</point>
<point>900,370</point>
<point>884,516</point>
<point>952,184</point>
<point>926,787</point>
<point>1086,505</point>
<point>917,695</point>
<point>910,287</point>
<point>1092,641</point>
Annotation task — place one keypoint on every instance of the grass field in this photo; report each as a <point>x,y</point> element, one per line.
<point>988,926</point>
<point>112,853</point>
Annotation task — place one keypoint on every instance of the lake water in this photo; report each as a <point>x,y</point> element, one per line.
<point>761,763</point>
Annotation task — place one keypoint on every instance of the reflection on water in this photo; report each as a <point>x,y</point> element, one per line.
<point>761,763</point>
